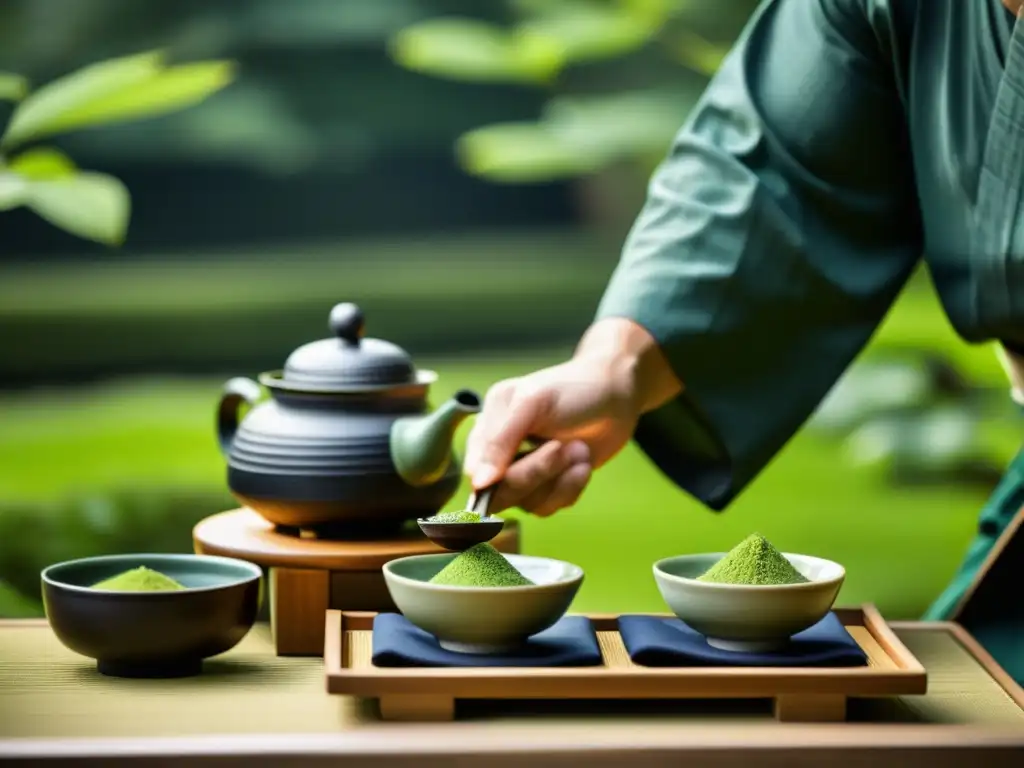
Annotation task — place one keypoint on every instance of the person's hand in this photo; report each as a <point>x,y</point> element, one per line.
<point>585,410</point>
<point>575,407</point>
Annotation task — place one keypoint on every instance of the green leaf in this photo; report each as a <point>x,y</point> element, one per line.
<point>700,55</point>
<point>659,8</point>
<point>577,136</point>
<point>651,8</point>
<point>137,87</point>
<point>522,153</point>
<point>589,32</point>
<point>620,124</point>
<point>45,106</point>
<point>94,206</point>
<point>12,87</point>
<point>12,191</point>
<point>42,163</point>
<point>469,50</point>
<point>169,91</point>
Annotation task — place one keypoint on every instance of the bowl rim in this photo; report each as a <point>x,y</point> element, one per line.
<point>659,573</point>
<point>575,579</point>
<point>255,573</point>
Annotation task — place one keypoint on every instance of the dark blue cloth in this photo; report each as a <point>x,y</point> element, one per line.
<point>569,643</point>
<point>658,642</point>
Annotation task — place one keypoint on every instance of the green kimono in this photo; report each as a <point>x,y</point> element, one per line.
<point>840,143</point>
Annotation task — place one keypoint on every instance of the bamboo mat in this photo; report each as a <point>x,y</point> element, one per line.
<point>48,692</point>
<point>960,690</point>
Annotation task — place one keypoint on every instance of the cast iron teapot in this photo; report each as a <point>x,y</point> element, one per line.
<point>346,440</point>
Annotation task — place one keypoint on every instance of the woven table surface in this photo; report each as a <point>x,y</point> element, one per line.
<point>47,691</point>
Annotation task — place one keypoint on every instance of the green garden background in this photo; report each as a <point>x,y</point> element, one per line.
<point>471,195</point>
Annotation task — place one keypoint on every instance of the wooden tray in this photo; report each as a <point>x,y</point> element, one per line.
<point>799,694</point>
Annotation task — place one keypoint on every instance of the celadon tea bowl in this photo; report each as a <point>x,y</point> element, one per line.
<point>152,634</point>
<point>487,620</point>
<point>748,618</point>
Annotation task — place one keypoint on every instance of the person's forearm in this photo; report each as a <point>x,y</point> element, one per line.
<point>634,359</point>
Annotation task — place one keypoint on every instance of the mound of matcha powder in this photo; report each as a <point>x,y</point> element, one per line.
<point>753,561</point>
<point>455,517</point>
<point>480,566</point>
<point>139,579</point>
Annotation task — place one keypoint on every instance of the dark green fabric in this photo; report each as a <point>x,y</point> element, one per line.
<point>775,237</point>
<point>994,614</point>
<point>841,142</point>
<point>1002,506</point>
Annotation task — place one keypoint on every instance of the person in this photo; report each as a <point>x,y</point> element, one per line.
<point>840,144</point>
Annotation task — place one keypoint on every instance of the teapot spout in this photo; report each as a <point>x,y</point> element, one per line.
<point>421,446</point>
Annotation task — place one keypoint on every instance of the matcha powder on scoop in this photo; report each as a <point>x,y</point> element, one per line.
<point>480,566</point>
<point>455,517</point>
<point>754,561</point>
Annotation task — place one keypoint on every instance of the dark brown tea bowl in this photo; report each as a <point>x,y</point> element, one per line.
<point>152,634</point>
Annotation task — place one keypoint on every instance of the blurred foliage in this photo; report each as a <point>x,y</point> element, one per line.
<point>247,309</point>
<point>293,111</point>
<point>131,465</point>
<point>577,132</point>
<point>90,470</point>
<point>142,519</point>
<point>917,416</point>
<point>94,206</point>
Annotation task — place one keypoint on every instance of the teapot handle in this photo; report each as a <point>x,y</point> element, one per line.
<point>236,392</point>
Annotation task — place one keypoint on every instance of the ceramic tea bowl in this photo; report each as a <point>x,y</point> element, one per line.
<point>746,617</point>
<point>488,620</point>
<point>152,634</point>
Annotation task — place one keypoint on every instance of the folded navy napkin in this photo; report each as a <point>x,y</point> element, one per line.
<point>569,643</point>
<point>652,641</point>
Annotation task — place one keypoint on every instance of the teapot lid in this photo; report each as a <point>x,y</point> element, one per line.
<point>348,361</point>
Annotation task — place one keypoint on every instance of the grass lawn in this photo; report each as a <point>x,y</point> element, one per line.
<point>899,546</point>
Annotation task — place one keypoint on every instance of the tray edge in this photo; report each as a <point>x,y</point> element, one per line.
<point>656,683</point>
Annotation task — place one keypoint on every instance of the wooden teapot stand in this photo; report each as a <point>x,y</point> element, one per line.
<point>308,575</point>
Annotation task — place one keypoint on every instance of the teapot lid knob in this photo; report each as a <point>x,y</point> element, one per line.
<point>347,322</point>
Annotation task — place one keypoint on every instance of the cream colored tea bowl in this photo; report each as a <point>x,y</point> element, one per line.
<point>738,617</point>
<point>487,620</point>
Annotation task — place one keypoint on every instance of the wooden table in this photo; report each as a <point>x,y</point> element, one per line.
<point>252,708</point>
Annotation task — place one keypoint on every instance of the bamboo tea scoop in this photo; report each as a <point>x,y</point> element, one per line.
<point>457,537</point>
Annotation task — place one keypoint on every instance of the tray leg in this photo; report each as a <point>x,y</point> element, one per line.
<point>810,708</point>
<point>298,602</point>
<point>417,707</point>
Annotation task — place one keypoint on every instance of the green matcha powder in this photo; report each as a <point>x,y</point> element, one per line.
<point>139,579</point>
<point>480,566</point>
<point>455,517</point>
<point>753,561</point>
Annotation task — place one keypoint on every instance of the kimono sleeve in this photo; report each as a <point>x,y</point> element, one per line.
<point>774,239</point>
